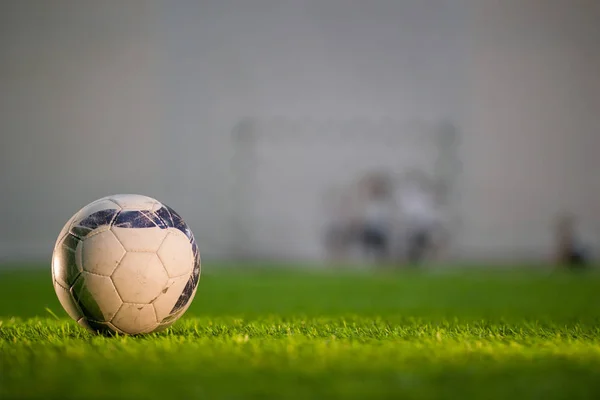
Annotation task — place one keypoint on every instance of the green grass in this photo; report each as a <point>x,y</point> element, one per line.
<point>287,334</point>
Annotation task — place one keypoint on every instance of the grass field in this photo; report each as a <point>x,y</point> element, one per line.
<point>287,334</point>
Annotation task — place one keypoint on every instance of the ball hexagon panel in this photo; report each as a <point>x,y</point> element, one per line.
<point>97,297</point>
<point>66,300</point>
<point>169,296</point>
<point>176,254</point>
<point>140,278</point>
<point>95,216</point>
<point>133,201</point>
<point>146,239</point>
<point>102,253</point>
<point>135,318</point>
<point>65,268</point>
<point>79,256</point>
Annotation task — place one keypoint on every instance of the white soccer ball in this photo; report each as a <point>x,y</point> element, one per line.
<point>125,264</point>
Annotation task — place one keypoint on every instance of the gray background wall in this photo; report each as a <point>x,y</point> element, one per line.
<point>142,96</point>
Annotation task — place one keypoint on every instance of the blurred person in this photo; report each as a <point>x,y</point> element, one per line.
<point>377,218</point>
<point>570,249</point>
<point>341,230</point>
<point>419,215</point>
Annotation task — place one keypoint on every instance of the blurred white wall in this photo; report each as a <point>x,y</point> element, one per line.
<point>79,112</point>
<point>533,130</point>
<point>142,96</point>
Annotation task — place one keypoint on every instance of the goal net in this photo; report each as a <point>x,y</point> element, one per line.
<point>285,170</point>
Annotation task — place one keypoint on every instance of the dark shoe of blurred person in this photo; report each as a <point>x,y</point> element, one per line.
<point>570,251</point>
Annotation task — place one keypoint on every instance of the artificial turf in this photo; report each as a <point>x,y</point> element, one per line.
<point>281,334</point>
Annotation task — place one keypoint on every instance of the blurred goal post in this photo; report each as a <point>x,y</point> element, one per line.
<point>283,167</point>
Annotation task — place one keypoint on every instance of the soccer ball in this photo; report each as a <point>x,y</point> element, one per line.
<point>125,264</point>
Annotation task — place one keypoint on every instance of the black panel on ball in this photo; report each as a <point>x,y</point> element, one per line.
<point>164,214</point>
<point>178,223</point>
<point>137,219</point>
<point>191,284</point>
<point>98,219</point>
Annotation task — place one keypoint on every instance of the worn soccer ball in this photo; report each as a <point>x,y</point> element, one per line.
<point>126,264</point>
